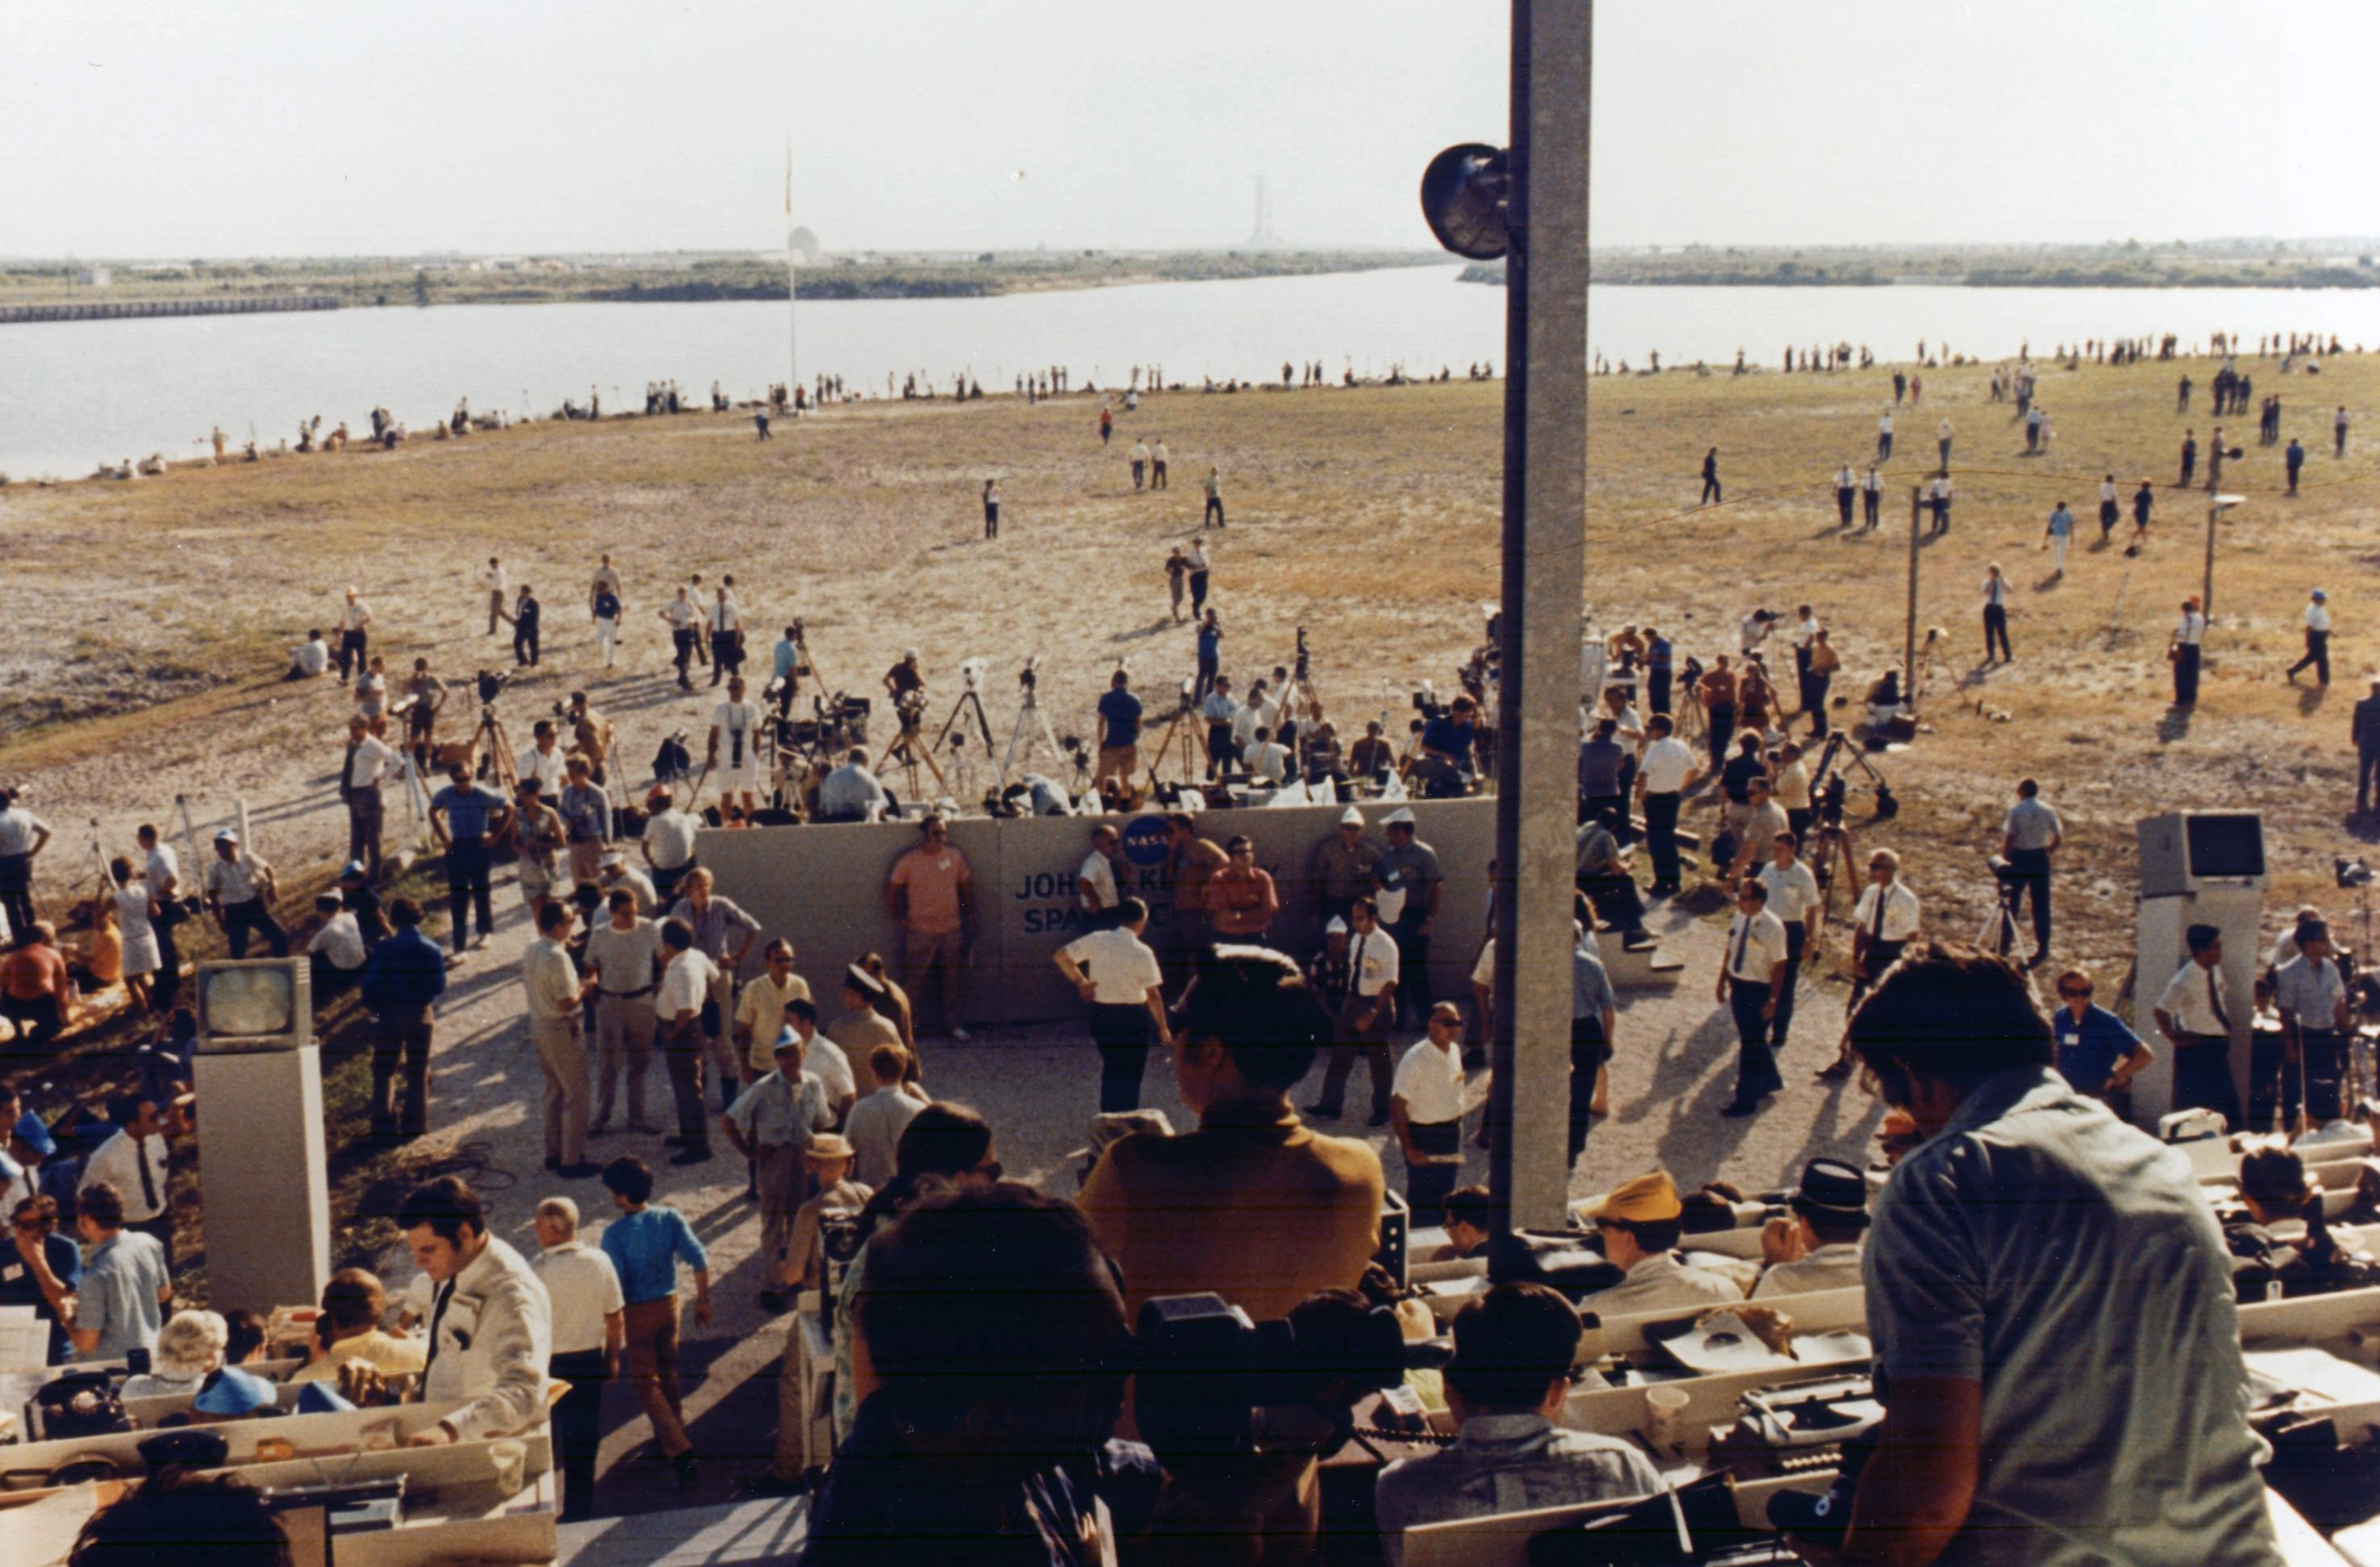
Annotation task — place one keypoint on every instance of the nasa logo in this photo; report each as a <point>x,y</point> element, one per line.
<point>1144,840</point>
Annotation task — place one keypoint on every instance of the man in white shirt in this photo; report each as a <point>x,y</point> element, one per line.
<point>1753,629</point>
<point>544,761</point>
<point>1667,771</point>
<point>1793,898</point>
<point>669,842</point>
<point>309,659</point>
<point>1995,616</point>
<point>2183,649</point>
<point>336,949</point>
<point>1818,1247</point>
<point>499,587</point>
<point>1140,459</point>
<point>686,981</point>
<point>622,956</point>
<point>1751,979</point>
<point>1255,713</point>
<point>1271,759</point>
<point>877,1121</point>
<point>684,619</point>
<point>1762,819</point>
<point>240,889</point>
<point>491,1324</point>
<point>556,997</point>
<point>353,617</point>
<point>133,1162</point>
<point>1121,982</point>
<point>1883,922</point>
<point>588,1328</point>
<point>1426,1109</point>
<point>1942,433</point>
<point>2195,1015</point>
<point>2318,640</point>
<point>1095,890</point>
<point>1221,711</point>
<point>1938,496</point>
<point>735,754</point>
<point>1846,490</point>
<point>1373,968</point>
<point>1641,1223</point>
<point>1884,437</point>
<point>613,874</point>
<point>725,619</point>
<point>368,760</point>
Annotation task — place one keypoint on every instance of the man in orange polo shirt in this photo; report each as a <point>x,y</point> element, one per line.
<point>931,891</point>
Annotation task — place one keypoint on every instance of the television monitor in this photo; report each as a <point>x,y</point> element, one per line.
<point>255,1004</point>
<point>2227,845</point>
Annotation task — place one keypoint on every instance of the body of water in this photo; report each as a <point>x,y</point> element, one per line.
<point>73,395</point>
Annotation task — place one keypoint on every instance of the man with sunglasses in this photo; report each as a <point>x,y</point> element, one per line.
<point>932,892</point>
<point>2097,1053</point>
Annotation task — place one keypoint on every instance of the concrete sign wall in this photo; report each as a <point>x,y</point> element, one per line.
<point>822,887</point>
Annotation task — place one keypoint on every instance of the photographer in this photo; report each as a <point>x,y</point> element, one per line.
<point>1453,736</point>
<point>467,820</point>
<point>991,1384</point>
<point>2311,995</point>
<point>1120,732</point>
<point>1221,710</point>
<point>2032,1265</point>
<point>2031,836</point>
<point>903,679</point>
<point>1513,1347</point>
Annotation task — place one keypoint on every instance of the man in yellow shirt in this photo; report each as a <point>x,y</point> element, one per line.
<point>349,1329</point>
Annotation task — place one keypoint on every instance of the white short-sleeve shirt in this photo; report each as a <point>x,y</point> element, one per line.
<point>1667,762</point>
<point>1372,960</point>
<point>1430,1081</point>
<point>1121,966</point>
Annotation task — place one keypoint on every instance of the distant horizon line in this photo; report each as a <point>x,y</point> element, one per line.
<point>2265,243</point>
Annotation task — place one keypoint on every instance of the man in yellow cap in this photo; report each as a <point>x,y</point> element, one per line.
<point>1641,1223</point>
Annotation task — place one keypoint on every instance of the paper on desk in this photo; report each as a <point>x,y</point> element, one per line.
<point>2275,1371</point>
<point>24,1339</point>
<point>1724,1345</point>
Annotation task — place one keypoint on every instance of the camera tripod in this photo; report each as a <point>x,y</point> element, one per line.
<point>1032,723</point>
<point>1187,724</point>
<point>968,706</point>
<point>494,748</point>
<point>908,751</point>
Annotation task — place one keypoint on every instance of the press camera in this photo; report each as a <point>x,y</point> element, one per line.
<point>1209,1383</point>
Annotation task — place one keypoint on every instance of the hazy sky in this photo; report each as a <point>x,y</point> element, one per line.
<point>243,127</point>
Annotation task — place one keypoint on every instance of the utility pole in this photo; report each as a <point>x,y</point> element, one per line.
<point>1909,631</point>
<point>1544,552</point>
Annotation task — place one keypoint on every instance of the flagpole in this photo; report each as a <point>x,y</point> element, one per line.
<point>793,346</point>
<point>792,339</point>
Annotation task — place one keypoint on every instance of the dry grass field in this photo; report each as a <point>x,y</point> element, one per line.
<point>148,621</point>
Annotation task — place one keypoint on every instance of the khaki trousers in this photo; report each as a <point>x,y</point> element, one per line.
<point>561,1051</point>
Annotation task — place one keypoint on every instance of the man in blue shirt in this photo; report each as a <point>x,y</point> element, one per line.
<point>468,819</point>
<point>125,1289</point>
<point>1119,736</point>
<point>1450,735</point>
<point>2096,1052</point>
<point>784,664</point>
<point>402,981</point>
<point>40,1267</point>
<point>2058,1347</point>
<point>645,1245</point>
<point>1660,658</point>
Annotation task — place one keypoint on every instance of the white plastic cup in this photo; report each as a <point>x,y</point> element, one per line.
<point>1665,1417</point>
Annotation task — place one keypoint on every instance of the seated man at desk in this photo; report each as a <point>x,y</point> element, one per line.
<point>1513,1353</point>
<point>2274,1190</point>
<point>1818,1247</point>
<point>1470,1225</point>
<point>1641,1224</point>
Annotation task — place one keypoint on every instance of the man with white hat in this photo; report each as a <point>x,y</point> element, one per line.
<point>2318,640</point>
<point>770,1124</point>
<point>1343,867</point>
<point>1641,1223</point>
<point>240,890</point>
<point>613,872</point>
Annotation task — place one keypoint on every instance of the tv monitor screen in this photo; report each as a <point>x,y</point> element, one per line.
<point>248,1003</point>
<point>2227,845</point>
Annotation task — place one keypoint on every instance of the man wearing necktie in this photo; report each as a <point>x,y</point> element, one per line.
<point>1749,981</point>
<point>1883,923</point>
<point>2193,1015</point>
<point>133,1162</point>
<point>1364,1019</point>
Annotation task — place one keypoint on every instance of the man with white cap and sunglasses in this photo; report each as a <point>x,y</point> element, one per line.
<point>240,890</point>
<point>1343,867</point>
